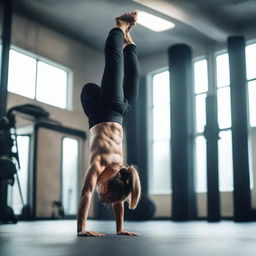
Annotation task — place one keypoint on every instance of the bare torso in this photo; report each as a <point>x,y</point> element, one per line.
<point>106,142</point>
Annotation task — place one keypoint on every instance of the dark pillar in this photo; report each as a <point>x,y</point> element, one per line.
<point>242,194</point>
<point>136,126</point>
<point>212,136</point>
<point>6,40</point>
<point>142,129</point>
<point>182,131</point>
<point>131,133</point>
<point>137,135</point>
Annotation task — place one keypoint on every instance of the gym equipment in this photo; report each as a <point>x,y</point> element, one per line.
<point>45,163</point>
<point>9,156</point>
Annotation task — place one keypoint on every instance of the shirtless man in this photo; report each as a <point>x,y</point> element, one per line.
<point>105,108</point>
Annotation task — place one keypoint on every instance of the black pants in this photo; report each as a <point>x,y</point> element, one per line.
<point>119,86</point>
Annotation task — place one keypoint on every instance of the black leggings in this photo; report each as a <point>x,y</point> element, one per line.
<point>119,85</point>
<point>121,74</point>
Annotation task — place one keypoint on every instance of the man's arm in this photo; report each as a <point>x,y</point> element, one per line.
<point>90,182</point>
<point>118,209</point>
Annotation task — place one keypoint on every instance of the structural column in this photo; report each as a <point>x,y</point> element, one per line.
<point>6,41</point>
<point>137,135</point>
<point>131,132</point>
<point>182,131</point>
<point>212,136</point>
<point>242,194</point>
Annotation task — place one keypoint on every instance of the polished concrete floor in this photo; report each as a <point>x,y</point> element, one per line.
<point>196,238</point>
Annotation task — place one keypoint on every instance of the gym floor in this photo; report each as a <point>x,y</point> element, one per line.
<point>53,238</point>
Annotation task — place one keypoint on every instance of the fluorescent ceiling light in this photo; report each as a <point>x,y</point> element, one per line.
<point>153,22</point>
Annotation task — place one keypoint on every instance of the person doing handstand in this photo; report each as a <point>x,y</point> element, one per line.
<point>105,108</point>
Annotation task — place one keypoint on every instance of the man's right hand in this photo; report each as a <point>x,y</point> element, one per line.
<point>89,233</point>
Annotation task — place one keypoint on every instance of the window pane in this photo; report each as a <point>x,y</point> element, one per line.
<point>160,178</point>
<point>222,63</point>
<point>14,195</point>
<point>250,52</point>
<point>225,161</point>
<point>201,168</point>
<point>161,167</point>
<point>200,112</point>
<point>201,76</point>
<point>224,107</point>
<point>252,102</point>
<point>51,85</point>
<point>69,175</point>
<point>22,74</point>
<point>161,123</point>
<point>161,88</point>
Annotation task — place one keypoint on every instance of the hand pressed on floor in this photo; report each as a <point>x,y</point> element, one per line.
<point>127,233</point>
<point>89,233</point>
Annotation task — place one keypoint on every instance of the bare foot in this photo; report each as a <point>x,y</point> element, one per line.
<point>131,25</point>
<point>126,22</point>
<point>122,25</point>
<point>129,17</point>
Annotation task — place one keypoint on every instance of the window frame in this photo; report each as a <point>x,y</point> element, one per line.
<point>212,89</point>
<point>201,93</point>
<point>150,108</point>
<point>69,85</point>
<point>217,53</point>
<point>67,216</point>
<point>250,127</point>
<point>249,42</point>
<point>196,133</point>
<point>223,51</point>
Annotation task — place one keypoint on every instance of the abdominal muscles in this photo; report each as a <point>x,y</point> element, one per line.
<point>107,142</point>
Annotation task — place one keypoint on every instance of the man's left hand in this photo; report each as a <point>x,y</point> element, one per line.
<point>126,233</point>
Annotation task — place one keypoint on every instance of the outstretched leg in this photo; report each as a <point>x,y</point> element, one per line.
<point>131,70</point>
<point>112,80</point>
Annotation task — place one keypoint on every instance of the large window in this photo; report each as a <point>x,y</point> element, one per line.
<point>38,79</point>
<point>224,113</point>
<point>160,178</point>
<point>201,88</point>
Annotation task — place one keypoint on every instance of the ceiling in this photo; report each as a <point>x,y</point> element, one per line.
<point>198,22</point>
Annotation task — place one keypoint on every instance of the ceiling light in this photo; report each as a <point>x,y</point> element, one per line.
<point>153,22</point>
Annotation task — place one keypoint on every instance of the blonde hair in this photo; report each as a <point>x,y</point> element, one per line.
<point>123,186</point>
<point>136,187</point>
